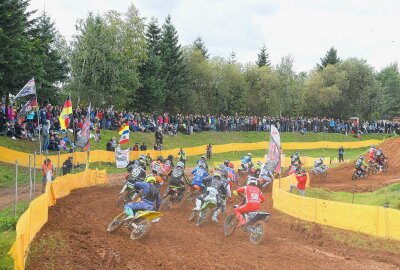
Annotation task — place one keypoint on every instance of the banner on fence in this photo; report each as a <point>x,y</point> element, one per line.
<point>121,157</point>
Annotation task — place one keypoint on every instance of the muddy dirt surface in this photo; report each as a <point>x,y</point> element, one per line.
<point>77,229</point>
<point>339,178</point>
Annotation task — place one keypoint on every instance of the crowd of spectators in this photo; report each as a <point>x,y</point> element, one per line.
<point>25,127</point>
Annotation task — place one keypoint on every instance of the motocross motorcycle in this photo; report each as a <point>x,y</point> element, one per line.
<point>128,191</point>
<point>358,173</point>
<point>139,224</point>
<point>255,223</point>
<point>209,204</point>
<point>322,176</point>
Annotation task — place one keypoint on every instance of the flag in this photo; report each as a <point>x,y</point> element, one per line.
<point>123,129</point>
<point>274,151</point>
<point>28,89</point>
<point>83,140</point>
<point>124,132</point>
<point>28,107</point>
<point>124,138</point>
<point>64,116</point>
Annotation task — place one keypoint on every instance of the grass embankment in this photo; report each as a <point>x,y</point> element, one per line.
<point>196,139</point>
<point>7,233</point>
<point>390,194</point>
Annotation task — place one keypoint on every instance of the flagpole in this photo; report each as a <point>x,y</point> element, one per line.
<point>38,119</point>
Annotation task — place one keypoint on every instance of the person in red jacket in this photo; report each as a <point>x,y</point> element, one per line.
<point>301,182</point>
<point>253,197</point>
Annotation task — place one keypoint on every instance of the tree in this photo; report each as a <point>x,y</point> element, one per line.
<point>173,69</point>
<point>389,77</point>
<point>329,59</point>
<point>16,46</point>
<point>150,95</point>
<point>51,67</point>
<point>263,58</point>
<point>198,44</point>
<point>153,36</point>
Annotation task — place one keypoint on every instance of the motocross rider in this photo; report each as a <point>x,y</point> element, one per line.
<point>360,163</point>
<point>203,159</point>
<point>230,168</point>
<point>150,199</point>
<point>247,163</point>
<point>157,169</point>
<point>266,176</point>
<point>168,164</point>
<point>319,165</point>
<point>295,162</point>
<point>379,157</point>
<point>253,197</point>
<point>199,173</point>
<point>176,179</point>
<point>371,153</point>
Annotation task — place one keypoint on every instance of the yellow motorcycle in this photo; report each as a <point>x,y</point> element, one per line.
<point>139,224</point>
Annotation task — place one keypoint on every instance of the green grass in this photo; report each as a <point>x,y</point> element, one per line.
<point>7,233</point>
<point>195,139</point>
<point>390,194</point>
<point>7,175</point>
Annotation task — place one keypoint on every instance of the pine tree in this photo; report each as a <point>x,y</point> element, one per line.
<point>263,58</point>
<point>51,67</point>
<point>173,69</point>
<point>16,45</point>
<point>153,36</point>
<point>150,95</point>
<point>329,59</point>
<point>198,44</point>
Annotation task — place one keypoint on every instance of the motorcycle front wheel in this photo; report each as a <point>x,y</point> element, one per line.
<point>143,227</point>
<point>201,217</point>
<point>354,176</point>
<point>192,216</point>
<point>116,223</point>
<point>230,225</point>
<point>257,233</point>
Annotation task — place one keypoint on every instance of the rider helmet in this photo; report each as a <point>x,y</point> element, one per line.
<point>322,159</point>
<point>231,165</point>
<point>203,157</point>
<point>362,157</point>
<point>180,164</point>
<point>151,179</point>
<point>170,157</point>
<point>142,157</point>
<point>249,154</point>
<point>160,158</point>
<point>251,180</point>
<point>372,145</point>
<point>226,162</point>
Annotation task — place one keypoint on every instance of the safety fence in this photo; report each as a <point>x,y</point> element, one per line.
<point>10,156</point>
<point>307,161</point>
<point>372,220</point>
<point>33,219</point>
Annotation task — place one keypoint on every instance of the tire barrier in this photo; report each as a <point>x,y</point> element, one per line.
<point>10,156</point>
<point>33,219</point>
<point>372,220</point>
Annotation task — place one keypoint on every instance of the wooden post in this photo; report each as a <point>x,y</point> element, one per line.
<point>16,188</point>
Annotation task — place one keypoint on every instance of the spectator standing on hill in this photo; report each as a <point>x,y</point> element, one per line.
<point>47,173</point>
<point>209,151</point>
<point>301,183</point>
<point>45,133</point>
<point>182,156</point>
<point>143,147</point>
<point>136,147</point>
<point>341,154</point>
<point>67,166</point>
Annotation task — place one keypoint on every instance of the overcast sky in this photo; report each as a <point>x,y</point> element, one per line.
<point>305,29</point>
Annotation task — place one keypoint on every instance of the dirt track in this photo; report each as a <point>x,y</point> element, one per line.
<point>339,179</point>
<point>77,223</point>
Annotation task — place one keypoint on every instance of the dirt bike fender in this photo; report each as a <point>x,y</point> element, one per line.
<point>149,215</point>
<point>253,217</point>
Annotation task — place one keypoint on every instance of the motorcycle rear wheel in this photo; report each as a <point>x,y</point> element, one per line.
<point>166,203</point>
<point>143,228</point>
<point>230,225</point>
<point>258,234</point>
<point>116,223</point>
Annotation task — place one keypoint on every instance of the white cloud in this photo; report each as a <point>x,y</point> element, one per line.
<point>306,29</point>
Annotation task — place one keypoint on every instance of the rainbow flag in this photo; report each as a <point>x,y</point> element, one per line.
<point>124,132</point>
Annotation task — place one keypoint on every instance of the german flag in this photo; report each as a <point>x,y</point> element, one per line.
<point>64,116</point>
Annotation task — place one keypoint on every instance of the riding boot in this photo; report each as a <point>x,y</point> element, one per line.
<point>215,215</point>
<point>198,205</point>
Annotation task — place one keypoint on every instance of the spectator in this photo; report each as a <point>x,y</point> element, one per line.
<point>143,147</point>
<point>148,159</point>
<point>67,166</point>
<point>209,151</point>
<point>341,154</point>
<point>47,173</point>
<point>182,155</point>
<point>136,147</point>
<point>301,183</point>
<point>45,133</point>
